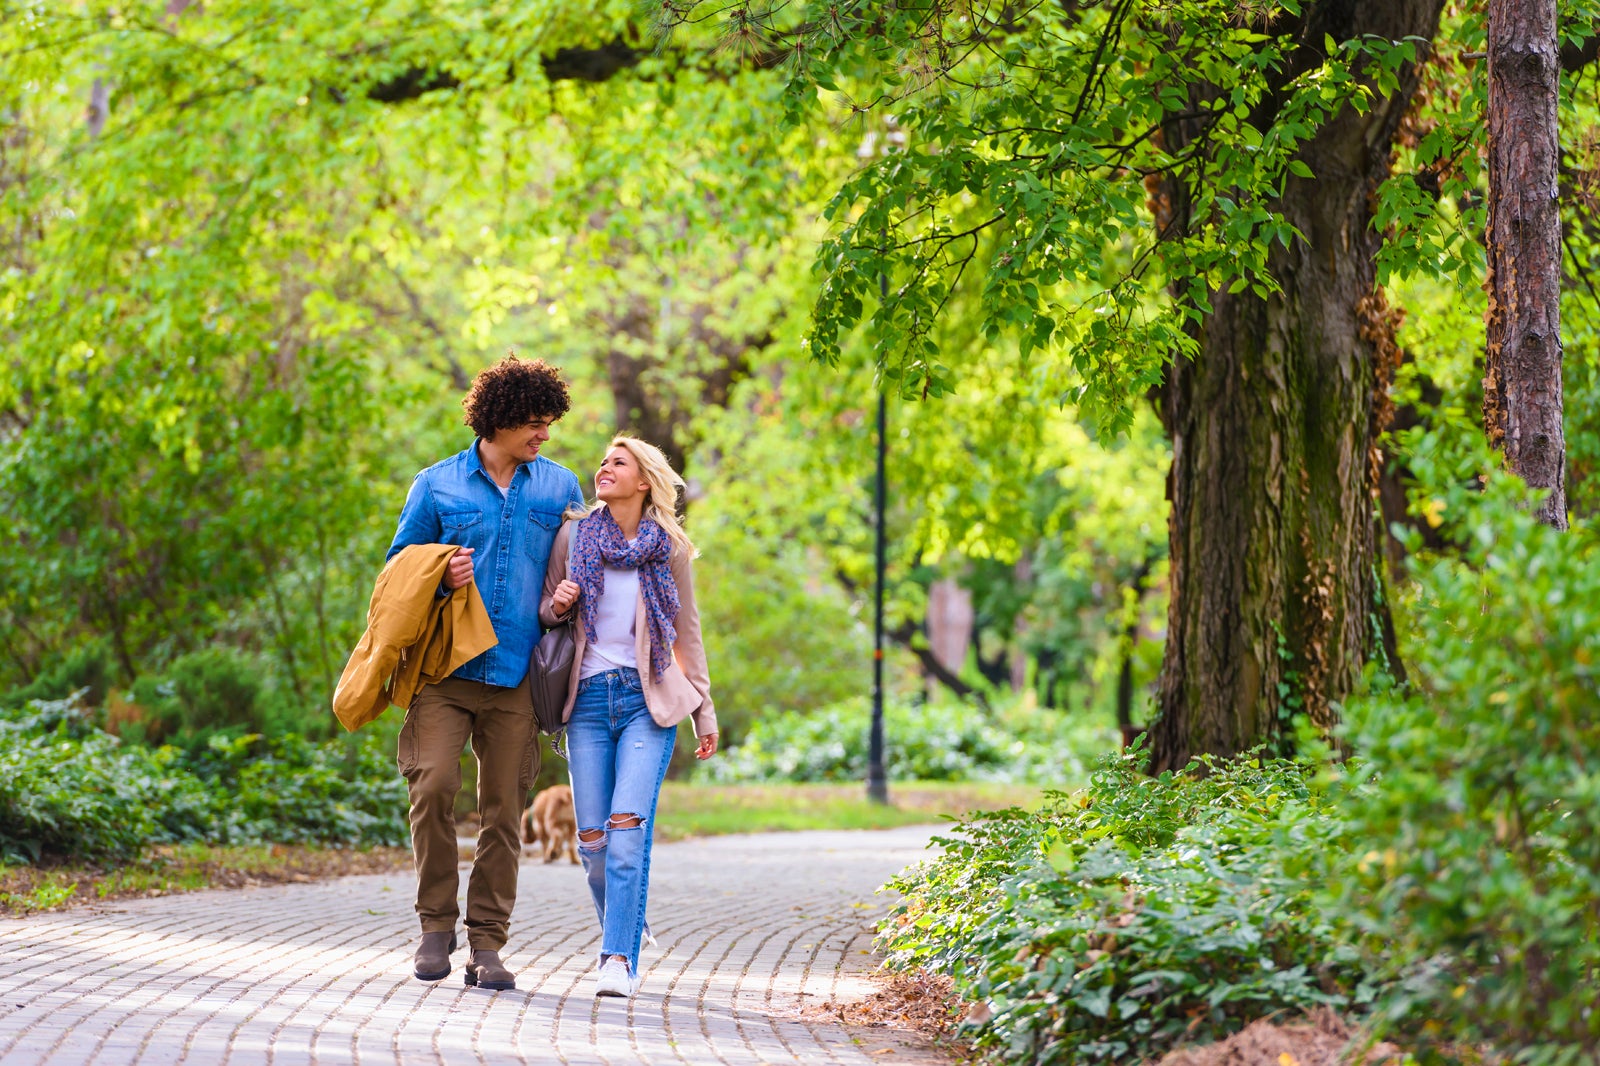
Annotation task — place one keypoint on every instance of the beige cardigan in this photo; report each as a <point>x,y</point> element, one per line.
<point>684,689</point>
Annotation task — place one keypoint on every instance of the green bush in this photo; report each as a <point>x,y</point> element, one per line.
<point>291,790</point>
<point>211,693</point>
<point>1138,913</point>
<point>936,741</point>
<point>70,790</point>
<point>87,668</point>
<point>1476,807</point>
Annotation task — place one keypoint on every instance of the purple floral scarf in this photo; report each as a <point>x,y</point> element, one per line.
<point>600,543</point>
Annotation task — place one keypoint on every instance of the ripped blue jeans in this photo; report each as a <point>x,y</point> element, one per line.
<point>617,757</point>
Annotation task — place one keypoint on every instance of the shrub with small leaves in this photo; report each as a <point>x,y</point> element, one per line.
<point>1474,871</point>
<point>1132,915</point>
<point>70,790</point>
<point>934,741</point>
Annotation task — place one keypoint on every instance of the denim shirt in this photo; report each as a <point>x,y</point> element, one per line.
<point>455,501</point>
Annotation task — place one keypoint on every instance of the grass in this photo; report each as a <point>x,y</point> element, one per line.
<point>688,810</point>
<point>165,870</point>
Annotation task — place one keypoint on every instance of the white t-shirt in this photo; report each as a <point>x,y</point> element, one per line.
<point>613,647</point>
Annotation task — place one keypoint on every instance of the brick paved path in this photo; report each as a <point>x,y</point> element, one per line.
<point>750,928</point>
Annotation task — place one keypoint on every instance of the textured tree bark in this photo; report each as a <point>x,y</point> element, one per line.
<point>1522,397</point>
<point>1275,604</point>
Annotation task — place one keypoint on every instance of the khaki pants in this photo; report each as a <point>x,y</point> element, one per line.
<point>499,722</point>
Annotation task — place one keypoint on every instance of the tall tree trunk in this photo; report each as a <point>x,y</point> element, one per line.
<point>1522,379</point>
<point>656,395</point>
<point>99,106</point>
<point>1130,639</point>
<point>949,623</point>
<point>1274,425</point>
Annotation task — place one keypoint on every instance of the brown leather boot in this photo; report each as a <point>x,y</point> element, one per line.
<point>433,956</point>
<point>487,971</point>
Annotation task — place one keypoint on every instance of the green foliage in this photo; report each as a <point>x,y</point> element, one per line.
<point>215,692</point>
<point>945,740</point>
<point>1474,811</point>
<point>1132,915</point>
<point>292,790</point>
<point>1432,207</point>
<point>87,667</point>
<point>779,630</point>
<point>204,693</point>
<point>40,898</point>
<point>225,358</point>
<point>1013,190</point>
<point>1044,525</point>
<point>68,789</point>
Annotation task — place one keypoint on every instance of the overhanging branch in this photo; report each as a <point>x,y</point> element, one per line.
<point>597,64</point>
<point>565,64</point>
<point>905,635</point>
<point>1574,57</point>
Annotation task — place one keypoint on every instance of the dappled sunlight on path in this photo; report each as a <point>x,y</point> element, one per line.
<point>751,928</point>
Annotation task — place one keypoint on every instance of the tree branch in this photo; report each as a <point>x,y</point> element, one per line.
<point>1574,57</point>
<point>565,64</point>
<point>904,635</point>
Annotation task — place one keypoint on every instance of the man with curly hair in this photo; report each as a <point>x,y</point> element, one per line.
<point>501,502</point>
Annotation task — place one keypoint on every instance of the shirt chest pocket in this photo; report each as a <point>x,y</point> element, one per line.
<point>542,526</point>
<point>462,527</point>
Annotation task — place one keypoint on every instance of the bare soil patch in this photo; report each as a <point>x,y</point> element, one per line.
<point>1322,1039</point>
<point>926,1005</point>
<point>913,1017</point>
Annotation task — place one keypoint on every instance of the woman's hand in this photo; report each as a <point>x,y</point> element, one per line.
<point>565,595</point>
<point>707,748</point>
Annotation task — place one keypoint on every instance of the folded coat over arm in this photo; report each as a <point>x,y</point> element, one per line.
<point>414,635</point>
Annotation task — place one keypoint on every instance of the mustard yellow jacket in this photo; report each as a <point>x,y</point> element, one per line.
<point>414,637</point>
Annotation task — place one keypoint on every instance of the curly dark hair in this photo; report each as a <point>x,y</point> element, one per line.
<point>512,393</point>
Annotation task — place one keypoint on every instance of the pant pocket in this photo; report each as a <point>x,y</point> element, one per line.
<point>531,761</point>
<point>405,748</point>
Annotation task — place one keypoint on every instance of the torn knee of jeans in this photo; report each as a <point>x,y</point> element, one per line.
<point>592,839</point>
<point>625,821</point>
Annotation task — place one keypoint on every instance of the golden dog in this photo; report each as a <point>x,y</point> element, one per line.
<point>551,822</point>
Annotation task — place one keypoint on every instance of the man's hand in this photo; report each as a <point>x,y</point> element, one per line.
<point>459,572</point>
<point>562,599</point>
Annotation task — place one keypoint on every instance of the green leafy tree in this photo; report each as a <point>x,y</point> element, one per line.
<point>1178,197</point>
<point>239,303</point>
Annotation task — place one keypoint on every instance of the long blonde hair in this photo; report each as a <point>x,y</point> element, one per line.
<point>661,501</point>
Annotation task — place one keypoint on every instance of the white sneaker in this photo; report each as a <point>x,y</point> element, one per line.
<point>613,979</point>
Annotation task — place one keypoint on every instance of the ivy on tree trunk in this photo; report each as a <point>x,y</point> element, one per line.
<point>1275,604</point>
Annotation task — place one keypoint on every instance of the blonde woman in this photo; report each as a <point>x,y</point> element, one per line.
<point>639,669</point>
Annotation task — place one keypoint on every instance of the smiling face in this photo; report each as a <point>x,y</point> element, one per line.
<point>618,480</point>
<point>522,443</point>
